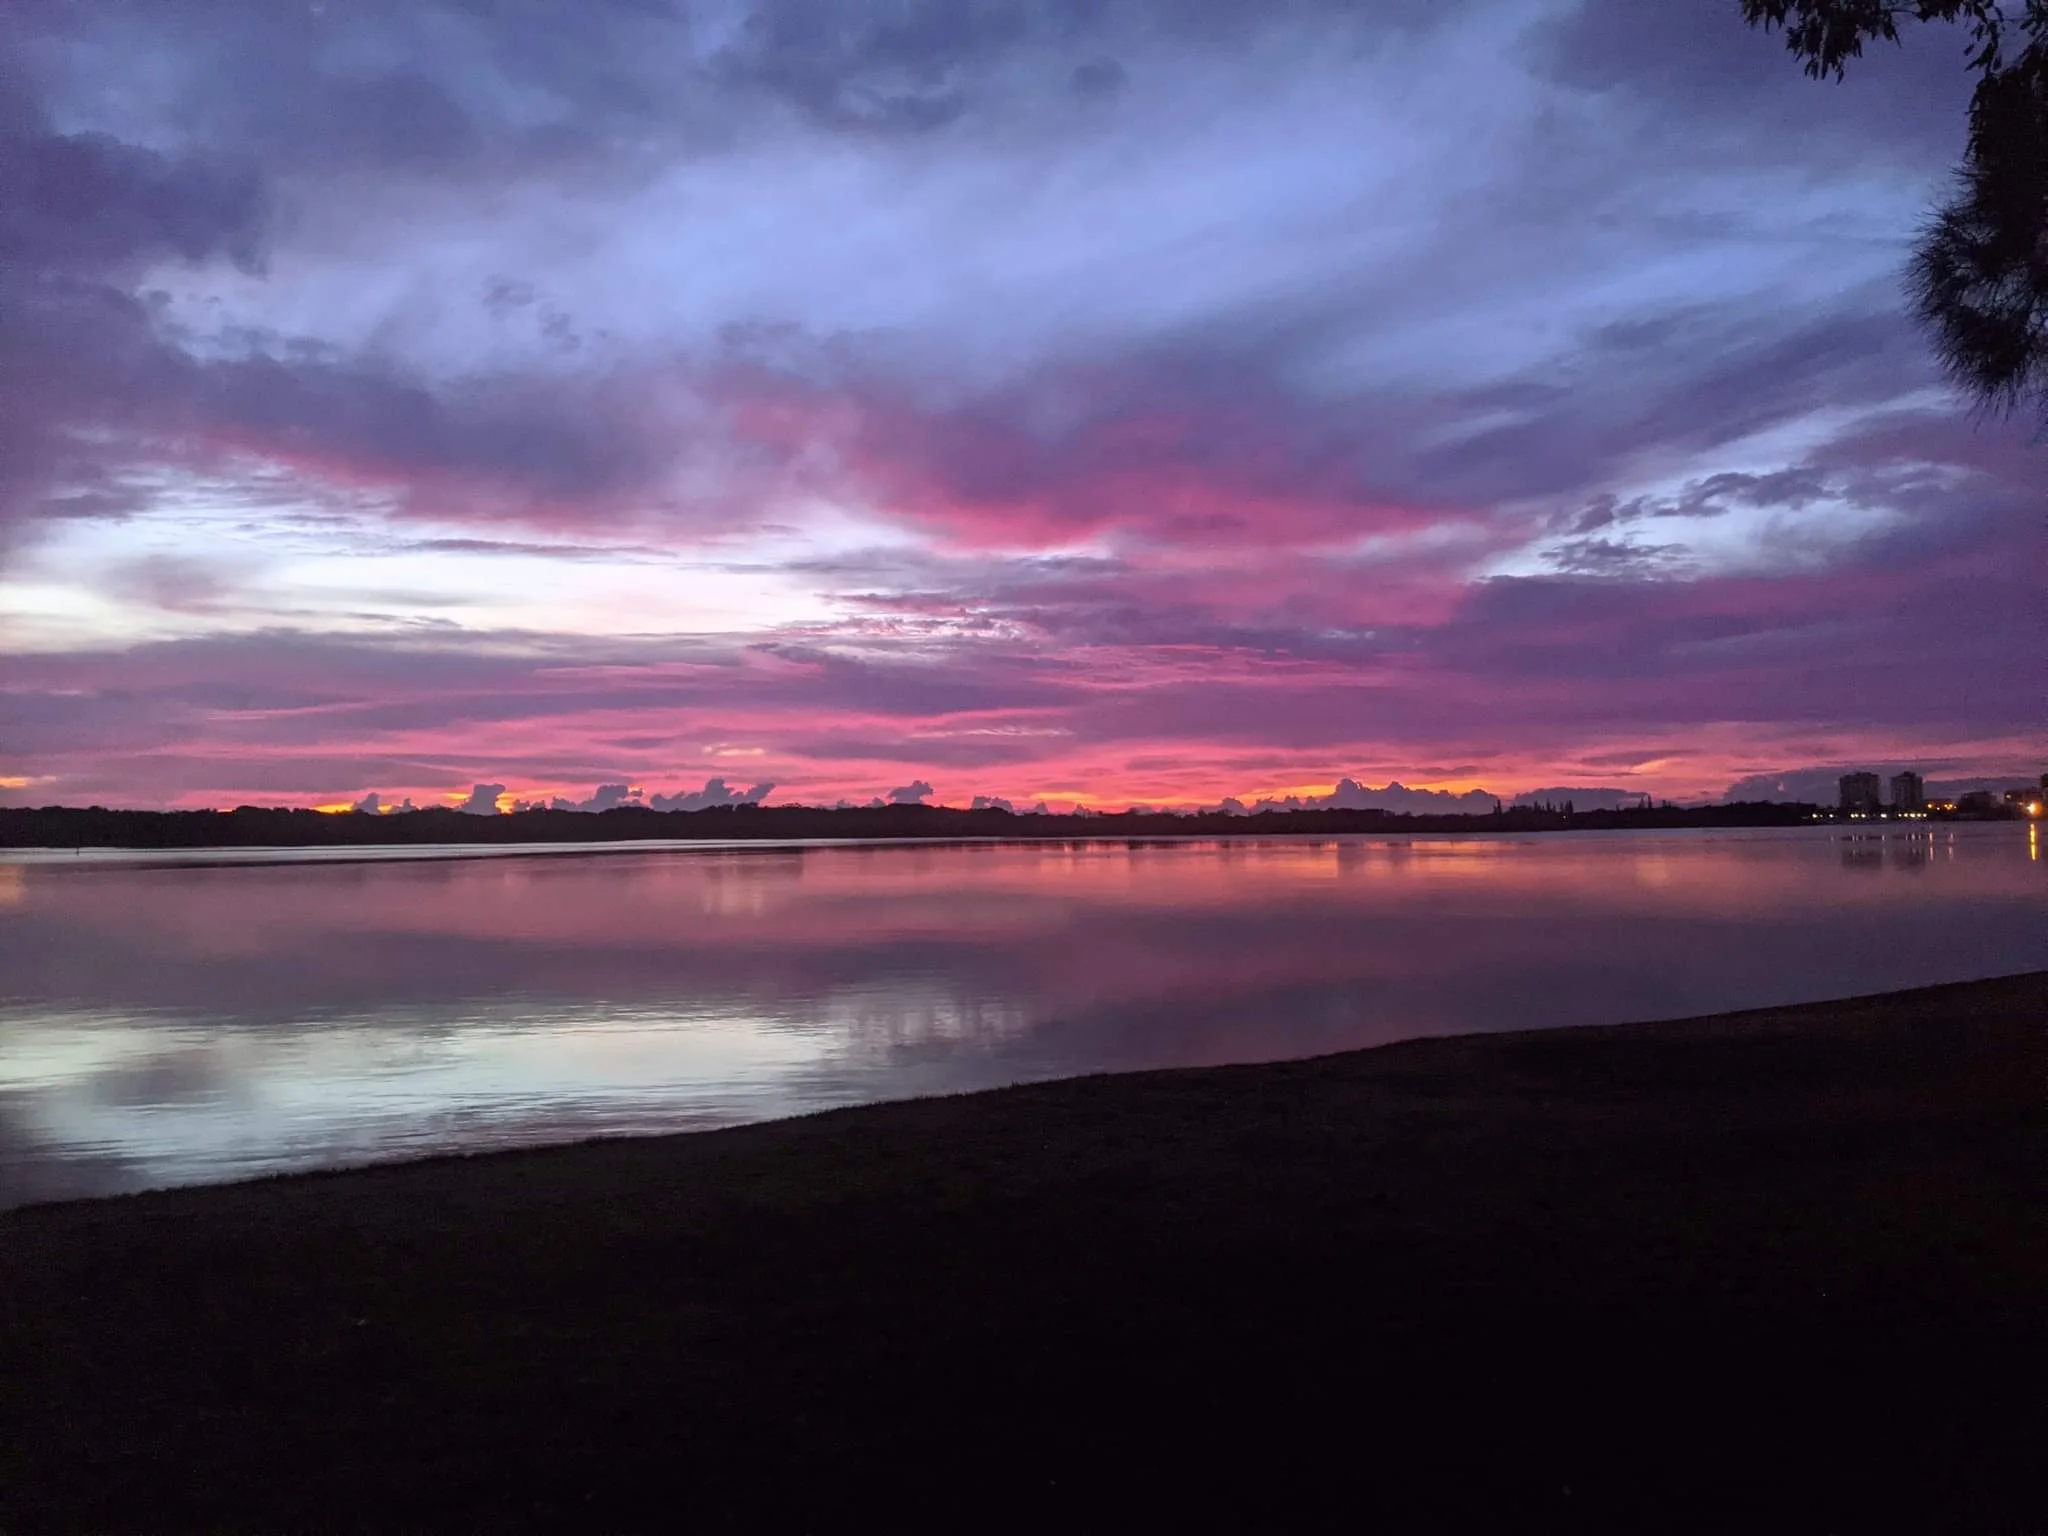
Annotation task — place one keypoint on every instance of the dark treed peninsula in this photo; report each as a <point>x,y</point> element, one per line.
<point>278,827</point>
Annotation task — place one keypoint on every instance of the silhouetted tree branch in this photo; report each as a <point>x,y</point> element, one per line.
<point>1979,276</point>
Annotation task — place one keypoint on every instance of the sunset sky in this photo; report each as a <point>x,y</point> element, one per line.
<point>1103,400</point>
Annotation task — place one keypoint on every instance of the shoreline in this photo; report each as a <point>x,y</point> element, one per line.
<point>1775,1269</point>
<point>1452,1045</point>
<point>55,828</point>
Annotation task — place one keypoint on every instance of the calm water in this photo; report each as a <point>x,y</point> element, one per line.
<point>165,1023</point>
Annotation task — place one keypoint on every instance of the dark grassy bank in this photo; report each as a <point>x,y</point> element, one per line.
<point>252,826</point>
<point>1775,1271</point>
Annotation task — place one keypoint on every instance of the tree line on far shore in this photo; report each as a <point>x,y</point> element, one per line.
<point>280,827</point>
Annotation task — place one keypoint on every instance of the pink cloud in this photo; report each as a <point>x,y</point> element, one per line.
<point>1113,681</point>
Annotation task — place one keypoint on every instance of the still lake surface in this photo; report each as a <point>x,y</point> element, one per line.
<point>164,1021</point>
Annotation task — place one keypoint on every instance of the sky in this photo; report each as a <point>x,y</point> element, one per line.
<point>1095,401</point>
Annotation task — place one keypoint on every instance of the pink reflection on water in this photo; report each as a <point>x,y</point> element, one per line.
<point>169,1023</point>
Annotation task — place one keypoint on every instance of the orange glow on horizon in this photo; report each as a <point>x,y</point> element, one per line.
<point>1156,780</point>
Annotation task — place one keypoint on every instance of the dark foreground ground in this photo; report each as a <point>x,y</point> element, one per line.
<point>1776,1271</point>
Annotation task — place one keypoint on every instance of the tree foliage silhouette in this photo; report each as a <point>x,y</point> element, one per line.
<point>1979,275</point>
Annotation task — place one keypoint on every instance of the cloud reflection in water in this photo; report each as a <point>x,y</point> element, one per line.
<point>181,1024</point>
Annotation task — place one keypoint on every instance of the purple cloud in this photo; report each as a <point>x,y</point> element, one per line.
<point>715,792</point>
<point>1106,399</point>
<point>482,801</point>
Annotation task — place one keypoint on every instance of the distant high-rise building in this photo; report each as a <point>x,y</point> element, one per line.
<point>1859,793</point>
<point>1908,792</point>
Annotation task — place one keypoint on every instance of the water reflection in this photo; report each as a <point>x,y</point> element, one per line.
<point>178,1023</point>
<point>1910,852</point>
